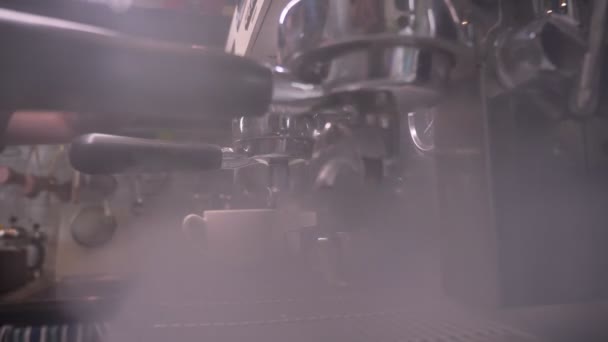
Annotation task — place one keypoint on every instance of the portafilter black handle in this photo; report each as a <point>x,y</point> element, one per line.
<point>52,64</point>
<point>111,154</point>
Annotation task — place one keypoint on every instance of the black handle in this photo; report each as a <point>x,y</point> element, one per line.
<point>109,154</point>
<point>48,63</point>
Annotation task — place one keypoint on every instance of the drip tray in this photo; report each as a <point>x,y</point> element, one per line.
<point>363,317</point>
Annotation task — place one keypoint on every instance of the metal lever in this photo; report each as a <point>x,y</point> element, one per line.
<point>109,154</point>
<point>55,64</point>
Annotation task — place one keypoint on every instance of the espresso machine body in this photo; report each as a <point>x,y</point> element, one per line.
<point>416,170</point>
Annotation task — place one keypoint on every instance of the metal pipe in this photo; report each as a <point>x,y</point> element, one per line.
<point>585,98</point>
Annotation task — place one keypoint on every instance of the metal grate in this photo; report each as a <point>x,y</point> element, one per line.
<point>94,332</point>
<point>331,319</point>
<point>383,326</point>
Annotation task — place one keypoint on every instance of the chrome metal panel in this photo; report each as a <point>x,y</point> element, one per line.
<point>374,45</point>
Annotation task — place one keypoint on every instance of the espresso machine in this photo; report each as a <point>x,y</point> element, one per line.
<point>417,170</point>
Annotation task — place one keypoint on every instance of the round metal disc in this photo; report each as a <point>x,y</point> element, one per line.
<point>91,227</point>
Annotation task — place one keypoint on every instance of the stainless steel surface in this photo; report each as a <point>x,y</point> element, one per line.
<point>279,134</point>
<point>366,316</point>
<point>245,240</point>
<point>93,226</point>
<point>373,236</point>
<point>330,171</point>
<point>543,53</point>
<point>335,152</point>
<point>234,160</point>
<point>421,127</point>
<point>286,89</point>
<point>585,97</point>
<point>136,187</point>
<point>374,45</point>
<point>278,180</point>
<point>93,189</point>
